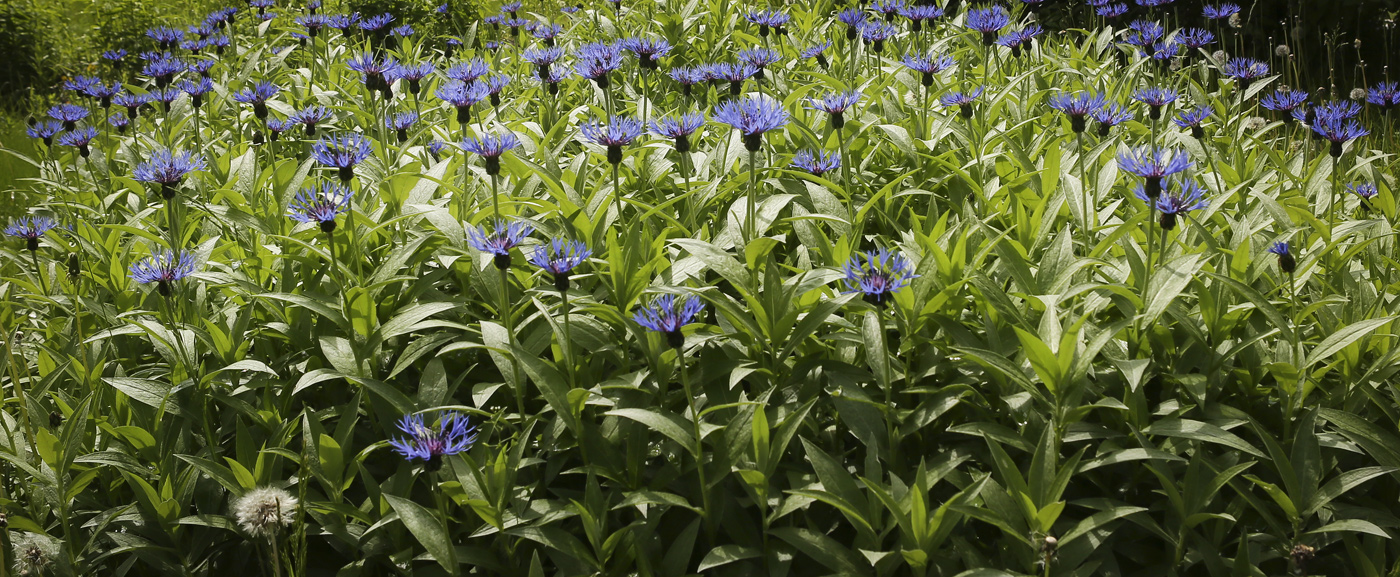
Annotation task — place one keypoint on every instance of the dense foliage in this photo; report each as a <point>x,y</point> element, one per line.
<point>678,288</point>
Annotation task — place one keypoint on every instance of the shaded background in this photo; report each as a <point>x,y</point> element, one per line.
<point>1335,44</point>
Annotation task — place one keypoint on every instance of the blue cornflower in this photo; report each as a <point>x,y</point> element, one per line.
<point>890,8</point>
<point>596,60</point>
<point>1338,130</point>
<point>735,73</point>
<point>1112,11</point>
<point>852,18</point>
<point>166,36</point>
<point>1245,70</point>
<point>1192,119</point>
<point>168,169</point>
<point>666,314</point>
<point>202,67</point>
<point>313,23</point>
<point>490,147</point>
<point>1019,38</point>
<point>275,127</point>
<point>928,66</point>
<point>1284,100</point>
<point>1155,99</point>
<point>342,153</point>
<point>1286,261</point>
<point>774,20</point>
<point>495,84</point>
<point>1163,52</point>
<point>547,33</point>
<point>759,59</point>
<point>165,96</point>
<point>309,117</point>
<point>1181,196</point>
<point>79,139</point>
<point>687,77</point>
<point>679,128</point>
<point>119,121</point>
<point>468,71</point>
<point>320,206</point>
<point>752,116</point>
<point>617,133</point>
<point>543,58</point>
<point>114,55</point>
<point>1365,190</point>
<point>876,33</point>
<point>82,84</point>
<point>1385,95</point>
<point>454,434</point>
<point>377,73</point>
<point>341,22</point>
<point>918,13</point>
<point>818,51</point>
<point>553,78</point>
<point>400,123</point>
<point>499,242</point>
<point>132,102</point>
<point>31,228</point>
<point>1076,106</point>
<point>376,24</point>
<point>836,104</point>
<point>1144,34</point>
<point>68,114</point>
<point>463,96</point>
<point>962,100</point>
<point>510,8</point>
<point>816,163</point>
<point>559,258</point>
<point>258,96</point>
<point>163,69</point>
<point>1195,38</point>
<point>1153,165</point>
<point>1341,109</point>
<point>1220,12</point>
<point>197,89</point>
<point>648,50</point>
<point>403,31</point>
<point>988,21</point>
<point>879,276</point>
<point>45,130</point>
<point>163,268</point>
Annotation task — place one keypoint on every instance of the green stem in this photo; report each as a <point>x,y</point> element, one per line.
<point>39,271</point>
<point>699,442</point>
<point>750,219</point>
<point>510,333</point>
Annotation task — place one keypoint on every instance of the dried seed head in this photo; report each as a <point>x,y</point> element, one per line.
<point>1235,20</point>
<point>1283,51</point>
<point>34,553</point>
<point>265,510</point>
<point>1358,94</point>
<point>1218,55</point>
<point>1256,123</point>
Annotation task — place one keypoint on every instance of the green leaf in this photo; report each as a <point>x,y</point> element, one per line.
<point>428,528</point>
<point>821,548</point>
<point>1197,430</point>
<point>1342,338</point>
<point>1097,520</point>
<point>1352,525</point>
<point>667,424</point>
<point>725,554</point>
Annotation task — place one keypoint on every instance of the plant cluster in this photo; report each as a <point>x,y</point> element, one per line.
<point>672,288</point>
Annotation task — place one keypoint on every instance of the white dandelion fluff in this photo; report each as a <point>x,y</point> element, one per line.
<point>265,510</point>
